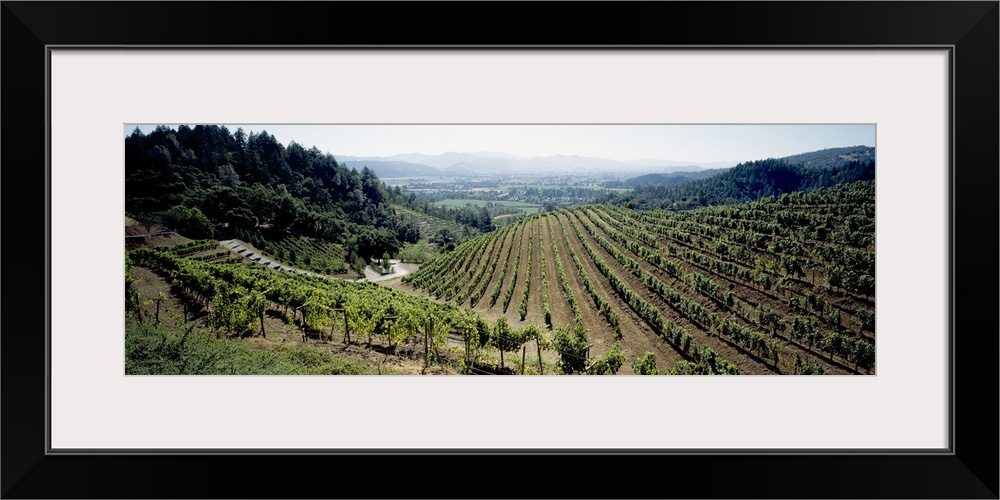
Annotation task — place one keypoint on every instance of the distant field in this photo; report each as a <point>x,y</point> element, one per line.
<point>422,179</point>
<point>529,208</point>
<point>560,186</point>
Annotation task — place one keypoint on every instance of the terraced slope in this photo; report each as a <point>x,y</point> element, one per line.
<point>430,225</point>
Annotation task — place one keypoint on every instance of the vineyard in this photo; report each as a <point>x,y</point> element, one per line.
<point>299,251</point>
<point>779,286</point>
<point>430,225</point>
<point>234,300</point>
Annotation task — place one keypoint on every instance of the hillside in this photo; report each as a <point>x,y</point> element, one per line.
<point>206,181</point>
<point>389,168</point>
<point>832,157</point>
<point>186,314</point>
<point>745,182</point>
<point>780,286</point>
<point>750,180</point>
<point>662,179</point>
<point>430,225</point>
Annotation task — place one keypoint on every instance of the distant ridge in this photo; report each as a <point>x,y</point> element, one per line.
<point>753,180</point>
<point>832,157</point>
<point>491,163</point>
<point>824,158</point>
<point>390,168</point>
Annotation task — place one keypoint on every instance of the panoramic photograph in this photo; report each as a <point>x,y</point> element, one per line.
<point>280,249</point>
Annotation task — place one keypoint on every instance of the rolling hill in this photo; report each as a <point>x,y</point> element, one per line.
<point>780,286</point>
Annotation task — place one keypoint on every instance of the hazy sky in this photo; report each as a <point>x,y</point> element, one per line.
<point>695,143</point>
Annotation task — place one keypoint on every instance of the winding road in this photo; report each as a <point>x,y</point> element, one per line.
<point>248,252</point>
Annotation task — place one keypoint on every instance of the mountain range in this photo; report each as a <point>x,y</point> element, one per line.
<point>657,171</point>
<point>491,163</point>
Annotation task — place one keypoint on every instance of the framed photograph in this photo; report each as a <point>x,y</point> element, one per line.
<point>919,79</point>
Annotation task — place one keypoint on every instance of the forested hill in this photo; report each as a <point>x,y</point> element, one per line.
<point>832,157</point>
<point>746,182</point>
<point>661,179</point>
<point>194,178</point>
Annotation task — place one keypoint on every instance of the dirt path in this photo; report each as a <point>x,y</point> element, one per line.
<point>512,316</point>
<point>562,312</point>
<point>400,269</point>
<point>536,315</point>
<point>250,253</point>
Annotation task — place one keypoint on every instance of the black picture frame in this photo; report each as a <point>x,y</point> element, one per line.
<point>969,28</point>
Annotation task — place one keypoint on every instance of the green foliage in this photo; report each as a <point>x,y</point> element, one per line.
<point>610,363</point>
<point>707,363</point>
<point>253,183</point>
<point>315,313</point>
<point>645,365</point>
<point>804,368</point>
<point>360,319</point>
<point>572,348</point>
<point>503,337</point>
<point>760,264</point>
<point>193,247</point>
<point>445,239</point>
<point>419,252</point>
<point>529,333</point>
<point>437,323</point>
<point>131,294</point>
<point>749,181</point>
<point>358,265</point>
<point>157,350</point>
<point>236,310</point>
<point>475,334</point>
<point>311,254</point>
<point>405,326</point>
<point>686,368</point>
<point>190,222</point>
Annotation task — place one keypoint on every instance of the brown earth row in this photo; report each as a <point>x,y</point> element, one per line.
<point>500,274</point>
<point>681,287</point>
<point>562,312</point>
<point>744,362</point>
<point>637,336</point>
<point>535,314</point>
<point>745,291</point>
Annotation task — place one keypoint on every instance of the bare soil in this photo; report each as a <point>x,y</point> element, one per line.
<point>746,293</point>
<point>499,275</point>
<point>562,312</point>
<point>638,337</point>
<point>535,314</point>
<point>515,300</point>
<point>744,362</point>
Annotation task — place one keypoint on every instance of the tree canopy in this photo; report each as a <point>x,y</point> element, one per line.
<point>253,183</point>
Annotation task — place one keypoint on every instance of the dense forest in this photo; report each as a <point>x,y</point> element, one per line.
<point>743,183</point>
<point>667,179</point>
<point>206,180</point>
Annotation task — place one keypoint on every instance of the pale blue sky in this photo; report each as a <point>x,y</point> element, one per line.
<point>695,143</point>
